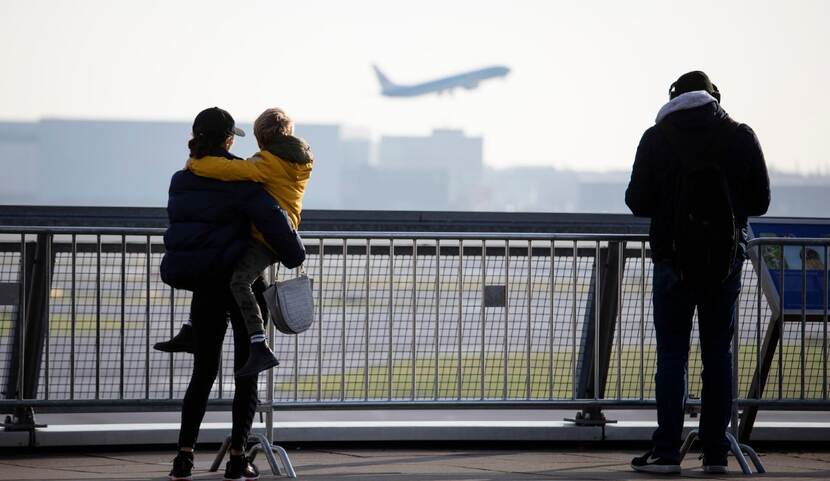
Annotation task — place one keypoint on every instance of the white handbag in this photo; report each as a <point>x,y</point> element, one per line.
<point>291,304</point>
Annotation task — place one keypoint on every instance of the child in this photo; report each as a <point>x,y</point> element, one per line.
<point>283,165</point>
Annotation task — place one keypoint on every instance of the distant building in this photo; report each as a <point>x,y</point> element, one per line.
<point>446,153</point>
<point>129,163</point>
<point>529,189</point>
<point>602,192</point>
<point>371,188</point>
<point>19,163</point>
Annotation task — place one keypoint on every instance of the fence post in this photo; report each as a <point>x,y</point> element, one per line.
<point>610,272</point>
<point>772,338</point>
<point>32,325</point>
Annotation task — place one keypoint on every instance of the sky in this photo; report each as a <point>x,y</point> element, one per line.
<point>587,77</point>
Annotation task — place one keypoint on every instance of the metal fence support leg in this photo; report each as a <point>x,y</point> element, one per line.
<point>687,443</point>
<point>759,467</point>
<point>736,448</point>
<point>265,447</point>
<point>289,468</point>
<point>739,455</point>
<point>261,444</point>
<point>220,455</point>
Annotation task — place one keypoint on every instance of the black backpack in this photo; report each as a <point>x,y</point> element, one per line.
<point>704,232</point>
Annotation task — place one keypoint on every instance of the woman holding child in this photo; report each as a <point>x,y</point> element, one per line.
<point>208,238</point>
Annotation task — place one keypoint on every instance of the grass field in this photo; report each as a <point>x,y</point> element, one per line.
<point>549,378</point>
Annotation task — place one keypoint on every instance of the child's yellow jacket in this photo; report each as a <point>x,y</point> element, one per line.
<point>285,181</point>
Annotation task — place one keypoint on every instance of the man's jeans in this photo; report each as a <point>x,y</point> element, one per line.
<point>674,305</point>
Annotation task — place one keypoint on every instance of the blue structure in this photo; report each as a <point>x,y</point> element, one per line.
<point>802,265</point>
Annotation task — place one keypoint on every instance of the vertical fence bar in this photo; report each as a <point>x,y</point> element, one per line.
<point>391,316</point>
<point>824,330</point>
<point>597,307</point>
<point>296,339</point>
<point>148,257</point>
<point>414,359</point>
<point>270,332</point>
<point>551,318</point>
<point>482,364</point>
<point>529,343</point>
<point>21,322</point>
<point>320,325</point>
<point>172,321</point>
<point>124,316</point>
<point>506,341</point>
<point>642,318</point>
<point>98,319</point>
<point>221,376</point>
<point>618,329</point>
<point>736,359</point>
<point>48,276</point>
<point>437,315</point>
<point>459,333</point>
<point>296,361</point>
<point>802,359</point>
<point>343,323</point>
<point>73,317</point>
<point>781,327</point>
<point>222,367</point>
<point>573,321</point>
<point>758,291</point>
<point>366,325</point>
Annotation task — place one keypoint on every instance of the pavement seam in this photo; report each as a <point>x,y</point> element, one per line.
<point>801,456</point>
<point>50,468</point>
<point>538,473</point>
<point>339,453</point>
<point>113,458</point>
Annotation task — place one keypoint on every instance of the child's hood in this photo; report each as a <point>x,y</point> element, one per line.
<point>291,149</point>
<point>295,153</point>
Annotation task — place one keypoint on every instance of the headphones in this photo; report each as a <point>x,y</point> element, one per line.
<point>715,92</point>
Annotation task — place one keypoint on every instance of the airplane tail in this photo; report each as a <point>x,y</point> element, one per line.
<point>385,83</point>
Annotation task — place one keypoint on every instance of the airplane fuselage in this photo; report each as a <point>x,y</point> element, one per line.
<point>467,80</point>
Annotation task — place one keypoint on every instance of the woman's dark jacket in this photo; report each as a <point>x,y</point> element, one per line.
<point>653,187</point>
<point>210,225</point>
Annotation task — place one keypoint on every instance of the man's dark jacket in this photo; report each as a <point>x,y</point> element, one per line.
<point>653,187</point>
<point>210,225</point>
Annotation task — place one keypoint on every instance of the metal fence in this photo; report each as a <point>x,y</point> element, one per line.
<point>403,319</point>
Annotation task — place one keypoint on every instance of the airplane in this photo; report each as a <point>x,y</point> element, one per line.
<point>467,80</point>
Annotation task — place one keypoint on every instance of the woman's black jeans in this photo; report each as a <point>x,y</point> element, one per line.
<point>674,306</point>
<point>209,310</point>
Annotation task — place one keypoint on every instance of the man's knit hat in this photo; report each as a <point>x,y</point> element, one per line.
<point>691,82</point>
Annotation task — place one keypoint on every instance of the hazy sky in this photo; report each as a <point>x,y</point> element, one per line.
<point>588,76</point>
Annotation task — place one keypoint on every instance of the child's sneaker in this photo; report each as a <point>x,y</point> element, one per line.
<point>649,463</point>
<point>181,342</point>
<point>260,359</point>
<point>239,468</point>
<point>182,467</point>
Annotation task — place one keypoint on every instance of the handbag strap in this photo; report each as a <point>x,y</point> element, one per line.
<point>301,269</point>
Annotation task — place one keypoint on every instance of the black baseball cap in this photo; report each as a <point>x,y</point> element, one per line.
<point>217,122</point>
<point>691,82</point>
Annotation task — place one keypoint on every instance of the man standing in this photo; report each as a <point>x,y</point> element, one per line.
<point>698,175</point>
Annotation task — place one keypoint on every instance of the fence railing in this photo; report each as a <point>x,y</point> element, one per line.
<point>403,319</point>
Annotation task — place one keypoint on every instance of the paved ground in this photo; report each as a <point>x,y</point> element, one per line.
<point>373,464</point>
